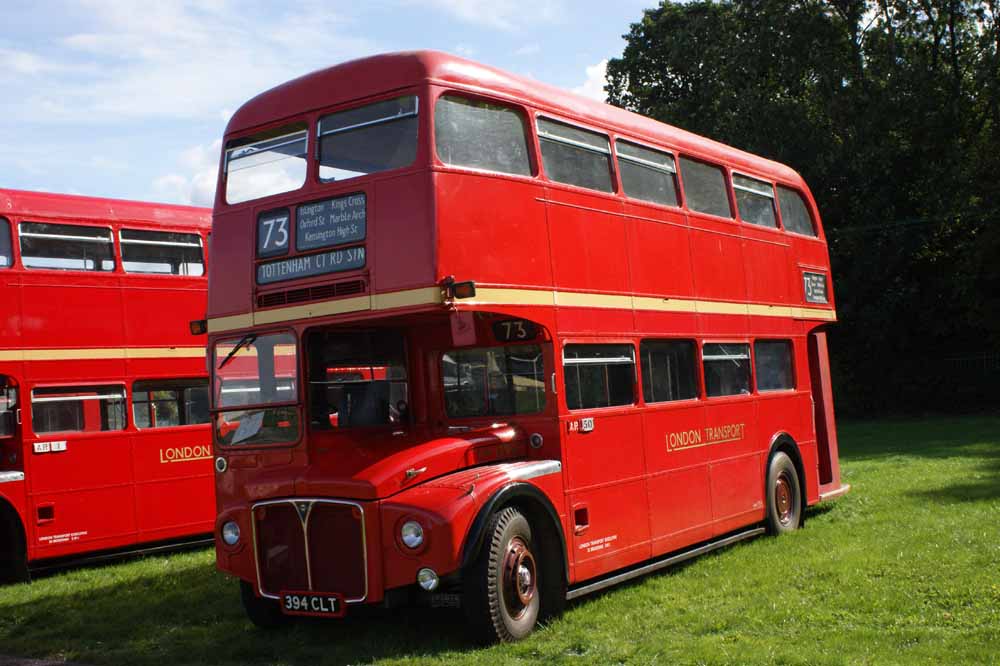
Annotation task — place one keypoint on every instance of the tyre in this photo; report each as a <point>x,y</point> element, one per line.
<point>264,613</point>
<point>502,587</point>
<point>13,550</point>
<point>784,495</point>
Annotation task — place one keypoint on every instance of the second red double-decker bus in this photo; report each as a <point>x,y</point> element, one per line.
<point>500,346</point>
<point>104,442</point>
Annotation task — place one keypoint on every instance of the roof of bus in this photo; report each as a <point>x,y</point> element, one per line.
<point>361,78</point>
<point>72,206</point>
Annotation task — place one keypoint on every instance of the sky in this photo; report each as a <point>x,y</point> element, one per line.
<point>129,98</point>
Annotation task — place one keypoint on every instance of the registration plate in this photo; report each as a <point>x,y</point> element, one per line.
<point>312,603</point>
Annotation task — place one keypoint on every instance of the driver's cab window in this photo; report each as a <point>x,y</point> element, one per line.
<point>357,378</point>
<point>8,408</point>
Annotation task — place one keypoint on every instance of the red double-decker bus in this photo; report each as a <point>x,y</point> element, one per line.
<point>596,344</point>
<point>104,437</point>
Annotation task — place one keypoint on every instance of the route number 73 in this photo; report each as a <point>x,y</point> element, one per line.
<point>510,330</point>
<point>273,233</point>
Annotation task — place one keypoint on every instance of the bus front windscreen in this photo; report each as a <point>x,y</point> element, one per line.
<point>356,378</point>
<point>251,374</point>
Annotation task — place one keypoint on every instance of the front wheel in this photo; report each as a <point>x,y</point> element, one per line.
<point>784,495</point>
<point>263,612</point>
<point>502,588</point>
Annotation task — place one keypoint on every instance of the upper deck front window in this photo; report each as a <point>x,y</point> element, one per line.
<point>266,163</point>
<point>481,135</point>
<point>368,139</point>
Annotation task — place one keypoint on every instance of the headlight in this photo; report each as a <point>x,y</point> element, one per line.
<point>231,533</point>
<point>412,534</point>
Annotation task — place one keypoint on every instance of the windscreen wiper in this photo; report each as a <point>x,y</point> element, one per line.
<point>245,341</point>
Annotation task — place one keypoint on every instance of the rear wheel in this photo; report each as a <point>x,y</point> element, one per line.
<point>503,587</point>
<point>264,613</point>
<point>784,495</point>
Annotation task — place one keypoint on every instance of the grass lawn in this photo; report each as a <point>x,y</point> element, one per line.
<point>904,570</point>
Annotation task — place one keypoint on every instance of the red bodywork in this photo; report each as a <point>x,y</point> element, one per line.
<point>105,489</point>
<point>585,267</point>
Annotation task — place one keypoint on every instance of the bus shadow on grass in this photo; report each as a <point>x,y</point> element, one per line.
<point>984,484</point>
<point>193,616</point>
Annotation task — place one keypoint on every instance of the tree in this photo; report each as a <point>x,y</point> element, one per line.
<point>891,111</point>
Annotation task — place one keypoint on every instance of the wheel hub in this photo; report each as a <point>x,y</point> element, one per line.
<point>783,499</point>
<point>519,577</point>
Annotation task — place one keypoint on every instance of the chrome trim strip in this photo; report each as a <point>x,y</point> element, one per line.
<point>533,470</point>
<point>647,163</point>
<point>305,536</point>
<point>367,123</point>
<point>555,138</point>
<point>660,564</point>
<point>82,239</point>
<point>9,477</point>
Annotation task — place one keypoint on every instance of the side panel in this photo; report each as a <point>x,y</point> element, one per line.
<point>680,498</point>
<point>606,495</point>
<point>174,481</point>
<point>735,455</point>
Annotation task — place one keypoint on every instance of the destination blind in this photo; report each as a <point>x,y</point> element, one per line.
<point>330,222</point>
<point>311,265</point>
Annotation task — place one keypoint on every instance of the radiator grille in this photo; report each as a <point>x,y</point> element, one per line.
<point>309,544</point>
<point>316,293</point>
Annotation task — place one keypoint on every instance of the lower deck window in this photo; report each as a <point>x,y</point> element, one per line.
<point>727,369</point>
<point>773,364</point>
<point>8,408</point>
<point>164,403</point>
<point>599,375</point>
<point>78,409</point>
<point>497,381</point>
<point>669,369</point>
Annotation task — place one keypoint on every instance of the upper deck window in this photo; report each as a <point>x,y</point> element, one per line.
<point>794,213</point>
<point>481,135</point>
<point>755,199</point>
<point>705,188</point>
<point>496,381</point>
<point>575,156</point>
<point>647,174</point>
<point>66,247</point>
<point>6,254</point>
<point>161,252</point>
<point>368,139</point>
<point>267,163</point>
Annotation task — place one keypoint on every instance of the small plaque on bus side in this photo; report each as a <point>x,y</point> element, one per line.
<point>331,222</point>
<point>815,287</point>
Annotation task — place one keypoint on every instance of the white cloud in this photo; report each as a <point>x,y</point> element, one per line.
<point>173,60</point>
<point>196,184</point>
<point>503,14</point>
<point>593,86</point>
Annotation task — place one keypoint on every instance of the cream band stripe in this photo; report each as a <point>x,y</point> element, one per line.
<point>512,296</point>
<point>100,354</point>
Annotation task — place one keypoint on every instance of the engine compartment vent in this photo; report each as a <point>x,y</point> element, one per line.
<point>307,294</point>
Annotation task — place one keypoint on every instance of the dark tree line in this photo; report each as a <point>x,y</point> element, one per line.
<point>891,112</point>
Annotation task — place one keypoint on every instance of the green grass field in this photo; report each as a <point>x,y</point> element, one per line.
<point>904,570</point>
